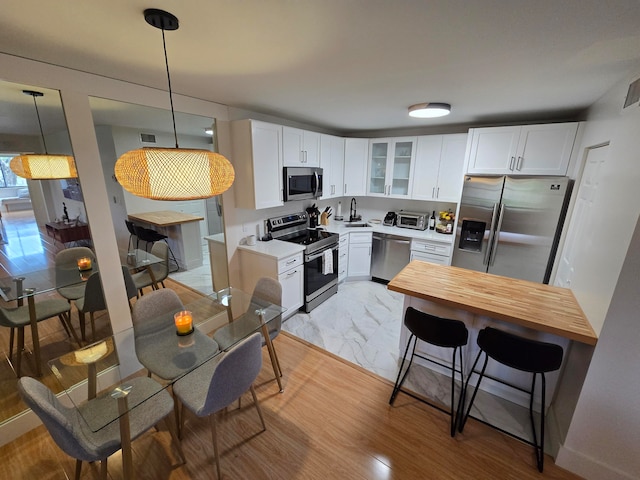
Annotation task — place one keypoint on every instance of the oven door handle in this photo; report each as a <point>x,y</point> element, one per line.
<point>319,254</point>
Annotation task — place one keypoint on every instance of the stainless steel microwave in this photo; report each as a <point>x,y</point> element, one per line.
<point>417,221</point>
<point>302,183</point>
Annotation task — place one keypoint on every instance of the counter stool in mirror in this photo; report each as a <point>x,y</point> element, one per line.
<point>522,354</point>
<point>441,332</point>
<point>150,236</point>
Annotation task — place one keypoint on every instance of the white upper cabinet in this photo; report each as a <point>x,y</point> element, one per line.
<point>522,150</point>
<point>257,159</point>
<point>391,167</point>
<point>300,147</point>
<point>355,166</point>
<point>332,164</point>
<point>439,167</point>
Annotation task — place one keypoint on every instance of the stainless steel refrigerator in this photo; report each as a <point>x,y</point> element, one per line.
<point>510,226</point>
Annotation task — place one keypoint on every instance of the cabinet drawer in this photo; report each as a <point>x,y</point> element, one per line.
<point>360,237</point>
<point>288,263</point>
<point>429,257</point>
<point>434,248</point>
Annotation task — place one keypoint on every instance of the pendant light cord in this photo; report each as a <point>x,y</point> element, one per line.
<point>173,115</point>
<point>40,125</point>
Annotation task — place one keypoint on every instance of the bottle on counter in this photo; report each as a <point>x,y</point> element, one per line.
<point>432,221</point>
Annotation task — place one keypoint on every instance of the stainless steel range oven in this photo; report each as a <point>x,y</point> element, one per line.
<point>320,255</point>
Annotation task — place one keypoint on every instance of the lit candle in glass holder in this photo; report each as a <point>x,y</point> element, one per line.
<point>184,322</point>
<point>84,263</point>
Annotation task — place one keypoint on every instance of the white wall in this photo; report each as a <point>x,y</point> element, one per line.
<point>604,432</point>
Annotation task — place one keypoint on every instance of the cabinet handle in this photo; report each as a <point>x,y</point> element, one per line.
<point>438,192</point>
<point>513,159</point>
<point>293,260</point>
<point>433,192</point>
<point>519,164</point>
<point>345,188</point>
<point>291,274</point>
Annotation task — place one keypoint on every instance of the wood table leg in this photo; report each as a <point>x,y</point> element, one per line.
<point>34,330</point>
<point>125,434</point>
<point>272,352</point>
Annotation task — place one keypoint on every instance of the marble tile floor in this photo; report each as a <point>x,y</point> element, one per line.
<point>198,278</point>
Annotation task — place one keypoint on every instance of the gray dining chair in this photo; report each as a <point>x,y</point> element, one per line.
<point>93,299</point>
<point>143,279</point>
<point>18,318</point>
<point>219,383</point>
<point>267,291</point>
<point>71,433</point>
<point>69,257</point>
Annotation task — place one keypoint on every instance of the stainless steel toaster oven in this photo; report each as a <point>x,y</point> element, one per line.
<point>417,221</point>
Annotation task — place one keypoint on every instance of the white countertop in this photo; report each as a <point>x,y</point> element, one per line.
<point>339,227</point>
<point>273,248</point>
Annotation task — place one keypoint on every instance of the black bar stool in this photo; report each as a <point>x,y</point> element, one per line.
<point>441,332</point>
<point>132,233</point>
<point>522,354</point>
<point>150,236</point>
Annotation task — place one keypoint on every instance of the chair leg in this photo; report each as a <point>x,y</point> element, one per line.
<point>462,392</point>
<point>81,320</point>
<point>173,257</point>
<point>11,341</point>
<point>174,436</point>
<point>466,385</point>
<point>539,448</point>
<point>257,404</point>
<point>19,350</point>
<point>103,469</point>
<point>78,469</point>
<point>214,439</point>
<point>65,318</point>
<point>93,327</point>
<point>398,384</point>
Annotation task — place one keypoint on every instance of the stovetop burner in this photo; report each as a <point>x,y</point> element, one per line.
<point>294,229</point>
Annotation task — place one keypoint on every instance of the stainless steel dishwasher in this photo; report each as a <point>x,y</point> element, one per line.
<point>390,254</point>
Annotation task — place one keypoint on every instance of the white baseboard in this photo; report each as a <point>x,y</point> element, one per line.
<point>588,467</point>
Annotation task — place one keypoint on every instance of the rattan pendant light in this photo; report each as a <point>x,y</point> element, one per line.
<point>172,173</point>
<point>43,166</point>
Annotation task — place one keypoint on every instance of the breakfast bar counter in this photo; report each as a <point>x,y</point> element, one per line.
<point>182,230</point>
<point>544,308</point>
<point>532,310</point>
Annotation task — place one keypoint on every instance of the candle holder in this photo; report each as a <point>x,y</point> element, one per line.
<point>184,323</point>
<point>84,263</point>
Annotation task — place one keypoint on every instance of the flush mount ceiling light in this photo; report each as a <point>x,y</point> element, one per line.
<point>42,166</point>
<point>172,173</point>
<point>429,110</point>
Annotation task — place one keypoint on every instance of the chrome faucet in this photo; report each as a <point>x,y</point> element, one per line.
<point>352,210</point>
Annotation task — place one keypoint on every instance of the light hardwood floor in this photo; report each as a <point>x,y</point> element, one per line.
<point>333,421</point>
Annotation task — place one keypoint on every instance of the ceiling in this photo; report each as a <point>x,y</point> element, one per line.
<point>349,65</point>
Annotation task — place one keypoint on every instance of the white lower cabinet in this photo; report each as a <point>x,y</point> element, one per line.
<point>343,256</point>
<point>288,270</point>
<point>360,244</point>
<point>432,252</point>
<point>292,282</point>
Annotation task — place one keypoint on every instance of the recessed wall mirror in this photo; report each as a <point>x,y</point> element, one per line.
<point>39,221</point>
<point>192,230</point>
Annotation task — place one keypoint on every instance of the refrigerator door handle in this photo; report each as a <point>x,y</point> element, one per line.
<point>491,234</point>
<point>496,236</point>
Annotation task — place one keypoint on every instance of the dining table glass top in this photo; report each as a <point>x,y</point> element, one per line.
<point>22,285</point>
<point>156,347</point>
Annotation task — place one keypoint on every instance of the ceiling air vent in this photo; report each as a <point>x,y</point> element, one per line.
<point>147,138</point>
<point>633,94</point>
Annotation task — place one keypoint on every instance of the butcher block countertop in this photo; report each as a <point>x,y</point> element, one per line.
<point>534,305</point>
<point>164,218</point>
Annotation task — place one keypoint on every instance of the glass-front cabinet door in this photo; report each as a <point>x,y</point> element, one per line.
<point>378,169</point>
<point>391,166</point>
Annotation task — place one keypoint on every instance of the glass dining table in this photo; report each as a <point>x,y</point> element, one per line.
<point>26,286</point>
<point>109,367</point>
